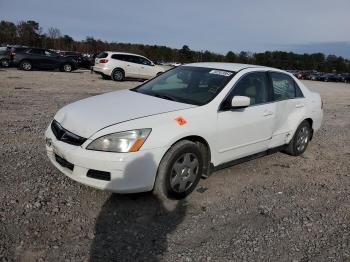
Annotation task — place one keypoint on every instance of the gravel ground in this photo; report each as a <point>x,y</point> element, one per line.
<point>276,208</point>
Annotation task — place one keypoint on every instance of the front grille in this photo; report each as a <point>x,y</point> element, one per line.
<point>65,135</point>
<point>64,162</point>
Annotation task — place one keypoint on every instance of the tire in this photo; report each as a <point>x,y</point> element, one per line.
<point>26,65</point>
<point>300,140</point>
<point>179,171</point>
<point>67,68</point>
<point>4,63</point>
<point>118,75</point>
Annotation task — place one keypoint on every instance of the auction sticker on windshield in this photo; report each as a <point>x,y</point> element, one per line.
<point>220,72</point>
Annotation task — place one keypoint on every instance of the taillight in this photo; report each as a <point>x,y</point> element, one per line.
<point>12,54</point>
<point>103,61</point>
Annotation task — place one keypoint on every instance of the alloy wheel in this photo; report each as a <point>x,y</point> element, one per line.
<point>26,66</point>
<point>67,68</point>
<point>184,172</point>
<point>118,75</point>
<point>302,138</point>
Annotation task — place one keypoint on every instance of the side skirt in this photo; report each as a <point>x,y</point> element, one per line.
<point>243,159</point>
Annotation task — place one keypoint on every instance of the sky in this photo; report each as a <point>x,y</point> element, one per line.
<point>219,26</point>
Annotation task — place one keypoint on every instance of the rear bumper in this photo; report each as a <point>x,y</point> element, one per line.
<point>129,172</point>
<point>102,70</point>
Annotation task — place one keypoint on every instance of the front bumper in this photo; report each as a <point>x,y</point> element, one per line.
<point>129,172</point>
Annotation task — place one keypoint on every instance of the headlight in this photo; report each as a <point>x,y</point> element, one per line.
<point>123,142</point>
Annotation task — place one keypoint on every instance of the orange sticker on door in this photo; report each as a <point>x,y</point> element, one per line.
<point>180,120</point>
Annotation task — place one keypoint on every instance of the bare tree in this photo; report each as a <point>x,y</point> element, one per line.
<point>54,34</point>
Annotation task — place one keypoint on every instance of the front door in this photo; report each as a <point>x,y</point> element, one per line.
<point>146,68</point>
<point>246,131</point>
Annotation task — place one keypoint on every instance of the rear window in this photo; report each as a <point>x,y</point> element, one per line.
<point>102,55</point>
<point>120,57</point>
<point>19,49</point>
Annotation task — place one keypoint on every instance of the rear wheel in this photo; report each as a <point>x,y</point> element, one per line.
<point>300,140</point>
<point>179,171</point>
<point>4,63</point>
<point>118,75</point>
<point>26,65</point>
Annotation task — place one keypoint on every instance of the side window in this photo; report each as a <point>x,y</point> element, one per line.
<point>131,59</point>
<point>36,52</point>
<point>49,53</point>
<point>253,85</point>
<point>118,57</point>
<point>144,61</point>
<point>284,87</point>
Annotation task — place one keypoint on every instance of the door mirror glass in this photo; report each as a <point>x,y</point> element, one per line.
<point>240,102</point>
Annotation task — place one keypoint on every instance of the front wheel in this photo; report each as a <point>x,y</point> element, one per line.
<point>300,140</point>
<point>179,171</point>
<point>67,68</point>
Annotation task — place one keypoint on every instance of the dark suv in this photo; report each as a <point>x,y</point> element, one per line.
<point>5,56</point>
<point>30,58</point>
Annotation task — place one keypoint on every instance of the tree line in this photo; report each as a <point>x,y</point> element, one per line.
<point>29,33</point>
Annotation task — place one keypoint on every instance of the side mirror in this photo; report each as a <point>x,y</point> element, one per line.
<point>153,64</point>
<point>240,102</point>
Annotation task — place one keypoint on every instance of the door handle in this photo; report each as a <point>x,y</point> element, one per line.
<point>127,65</point>
<point>299,105</point>
<point>268,113</point>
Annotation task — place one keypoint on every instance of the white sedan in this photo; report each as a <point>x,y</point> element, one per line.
<point>167,133</point>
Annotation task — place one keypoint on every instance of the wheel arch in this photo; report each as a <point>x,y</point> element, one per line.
<point>205,148</point>
<point>311,122</point>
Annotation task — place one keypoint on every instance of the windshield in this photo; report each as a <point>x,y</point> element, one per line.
<point>186,84</point>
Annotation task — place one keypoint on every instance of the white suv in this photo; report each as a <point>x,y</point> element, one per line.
<point>117,65</point>
<point>186,123</point>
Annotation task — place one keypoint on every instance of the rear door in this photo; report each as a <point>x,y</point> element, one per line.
<point>36,56</point>
<point>51,59</point>
<point>246,131</point>
<point>132,68</point>
<point>290,107</point>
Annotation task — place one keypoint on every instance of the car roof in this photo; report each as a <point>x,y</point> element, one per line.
<point>229,66</point>
<point>122,53</point>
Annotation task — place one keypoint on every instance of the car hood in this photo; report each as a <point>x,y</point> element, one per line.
<point>87,116</point>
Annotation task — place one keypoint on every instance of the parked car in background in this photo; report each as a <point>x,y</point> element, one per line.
<point>30,58</point>
<point>331,77</point>
<point>346,77</point>
<point>167,133</point>
<point>5,57</point>
<point>314,76</point>
<point>117,65</point>
<point>82,61</point>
